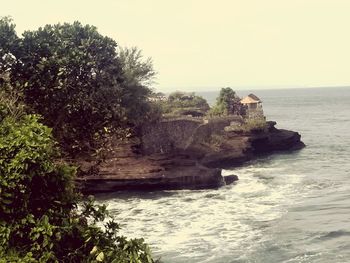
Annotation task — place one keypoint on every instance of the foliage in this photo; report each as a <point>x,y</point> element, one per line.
<point>158,94</point>
<point>227,103</point>
<point>250,125</point>
<point>136,70</point>
<point>9,44</point>
<point>72,76</point>
<point>218,110</point>
<point>32,186</point>
<point>138,75</point>
<point>216,141</point>
<point>10,103</point>
<point>181,103</point>
<point>39,219</point>
<point>255,125</point>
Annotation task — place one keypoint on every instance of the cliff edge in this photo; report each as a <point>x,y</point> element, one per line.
<point>184,153</point>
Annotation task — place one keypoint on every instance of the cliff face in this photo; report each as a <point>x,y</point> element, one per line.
<point>184,153</point>
<point>210,144</point>
<point>182,133</point>
<point>168,135</point>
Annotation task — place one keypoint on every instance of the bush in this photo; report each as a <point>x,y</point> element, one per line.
<point>250,125</point>
<point>39,218</point>
<point>255,125</point>
<point>10,102</point>
<point>227,103</point>
<point>180,103</point>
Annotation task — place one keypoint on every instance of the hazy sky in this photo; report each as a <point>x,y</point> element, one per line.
<point>205,44</point>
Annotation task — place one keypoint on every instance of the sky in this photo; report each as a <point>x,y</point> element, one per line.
<point>205,44</point>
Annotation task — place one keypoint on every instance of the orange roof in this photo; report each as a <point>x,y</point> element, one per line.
<point>254,97</point>
<point>249,99</point>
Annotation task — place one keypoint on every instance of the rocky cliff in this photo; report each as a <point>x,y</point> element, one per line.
<point>184,153</point>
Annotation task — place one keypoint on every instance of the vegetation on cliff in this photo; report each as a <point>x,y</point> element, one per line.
<point>182,103</point>
<point>249,126</point>
<point>67,77</point>
<point>227,103</point>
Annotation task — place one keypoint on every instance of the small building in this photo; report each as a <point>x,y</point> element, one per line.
<point>254,109</point>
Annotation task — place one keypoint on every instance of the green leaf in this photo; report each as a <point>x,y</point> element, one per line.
<point>100,257</point>
<point>93,250</point>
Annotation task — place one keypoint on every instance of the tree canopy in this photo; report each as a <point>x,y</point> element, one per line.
<point>227,103</point>
<point>136,69</point>
<point>72,76</point>
<point>184,103</point>
<point>61,81</point>
<point>9,44</point>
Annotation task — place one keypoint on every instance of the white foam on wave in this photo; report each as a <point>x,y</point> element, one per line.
<point>195,224</point>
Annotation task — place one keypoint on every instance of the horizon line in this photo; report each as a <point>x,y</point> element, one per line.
<point>242,88</point>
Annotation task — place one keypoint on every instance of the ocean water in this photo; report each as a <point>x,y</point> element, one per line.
<point>286,207</point>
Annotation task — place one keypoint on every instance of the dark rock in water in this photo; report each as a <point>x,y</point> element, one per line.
<point>230,179</point>
<point>186,153</point>
<point>183,178</point>
<point>152,172</point>
<point>278,140</point>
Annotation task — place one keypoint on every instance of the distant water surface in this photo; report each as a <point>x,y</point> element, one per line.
<point>288,207</point>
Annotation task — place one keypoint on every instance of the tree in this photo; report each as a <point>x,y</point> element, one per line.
<point>9,46</point>
<point>178,96</point>
<point>182,103</point>
<point>227,103</point>
<point>72,76</point>
<point>137,70</point>
<point>138,75</point>
<point>39,219</point>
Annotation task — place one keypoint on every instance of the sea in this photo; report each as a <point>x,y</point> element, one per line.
<point>286,207</point>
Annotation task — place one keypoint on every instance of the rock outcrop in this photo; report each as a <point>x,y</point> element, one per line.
<point>184,153</point>
<point>152,172</point>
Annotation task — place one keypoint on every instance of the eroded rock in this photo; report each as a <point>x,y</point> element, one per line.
<point>184,154</point>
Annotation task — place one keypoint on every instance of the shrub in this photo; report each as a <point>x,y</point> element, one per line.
<point>39,219</point>
<point>10,103</point>
<point>250,125</point>
<point>227,103</point>
<point>255,125</point>
<point>181,103</point>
